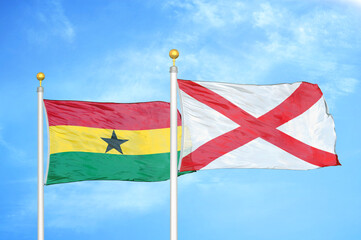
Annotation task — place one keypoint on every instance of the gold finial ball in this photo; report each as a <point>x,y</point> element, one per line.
<point>40,76</point>
<point>173,53</point>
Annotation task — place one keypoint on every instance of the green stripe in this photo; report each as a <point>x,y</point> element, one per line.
<point>81,166</point>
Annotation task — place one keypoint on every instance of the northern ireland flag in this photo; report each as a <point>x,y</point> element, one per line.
<point>282,126</point>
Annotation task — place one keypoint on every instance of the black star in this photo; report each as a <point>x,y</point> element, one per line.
<point>114,142</point>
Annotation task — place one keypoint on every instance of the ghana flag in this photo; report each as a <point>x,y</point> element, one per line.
<point>108,141</point>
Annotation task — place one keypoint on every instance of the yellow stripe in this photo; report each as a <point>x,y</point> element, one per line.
<point>84,139</point>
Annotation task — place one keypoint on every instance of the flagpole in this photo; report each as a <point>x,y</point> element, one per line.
<point>173,148</point>
<point>40,76</point>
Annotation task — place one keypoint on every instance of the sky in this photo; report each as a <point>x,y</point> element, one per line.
<point>117,51</point>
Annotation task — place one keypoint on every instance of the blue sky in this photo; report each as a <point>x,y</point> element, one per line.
<point>118,51</point>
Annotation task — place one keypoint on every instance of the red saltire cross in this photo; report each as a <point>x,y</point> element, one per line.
<point>265,127</point>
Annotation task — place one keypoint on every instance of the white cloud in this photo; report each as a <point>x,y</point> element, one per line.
<point>135,75</point>
<point>124,75</point>
<point>310,41</point>
<point>313,43</point>
<point>352,2</point>
<point>348,85</point>
<point>84,205</point>
<point>267,16</point>
<point>339,87</point>
<point>52,22</point>
<point>213,46</point>
<point>13,151</point>
<point>210,13</point>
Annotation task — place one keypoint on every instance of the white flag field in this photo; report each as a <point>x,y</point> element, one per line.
<point>282,126</point>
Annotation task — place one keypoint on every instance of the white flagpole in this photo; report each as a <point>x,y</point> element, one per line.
<point>40,76</point>
<point>173,148</point>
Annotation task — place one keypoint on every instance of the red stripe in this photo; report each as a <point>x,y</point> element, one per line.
<point>215,148</point>
<point>301,150</point>
<point>296,104</point>
<point>122,116</point>
<point>265,127</point>
<point>214,100</point>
